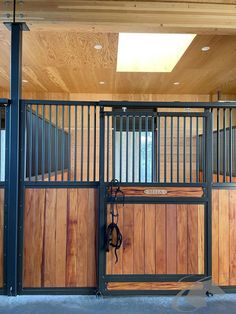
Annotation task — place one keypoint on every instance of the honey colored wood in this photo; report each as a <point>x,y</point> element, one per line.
<point>153,285</point>
<point>1,234</point>
<point>159,239</point>
<point>66,62</point>
<point>59,238</point>
<point>163,191</point>
<point>223,237</point>
<point>198,16</point>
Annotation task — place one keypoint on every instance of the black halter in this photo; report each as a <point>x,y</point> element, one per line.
<point>113,231</point>
<point>112,227</point>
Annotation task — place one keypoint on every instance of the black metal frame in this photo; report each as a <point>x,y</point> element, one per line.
<point>105,199</point>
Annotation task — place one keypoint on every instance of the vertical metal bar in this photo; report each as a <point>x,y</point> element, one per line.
<point>102,209</point>
<point>146,146</point>
<point>153,149</point>
<point>22,173</point>
<point>139,159</point>
<point>81,143</point>
<point>43,143</point>
<point>159,146</point>
<point>184,152</point>
<point>69,144</point>
<point>218,145</point>
<point>178,144</point>
<point>133,150</point>
<point>88,145</point>
<point>197,150</point>
<point>63,144</point>
<point>37,145</point>
<point>165,128</point>
<point>30,143</point>
<point>165,144</point>
<point>191,148</point>
<point>56,145</point>
<point>208,158</point>
<point>127,148</point>
<point>114,148</point>
<point>230,145</point>
<point>108,148</point>
<point>204,150</point>
<point>171,150</point>
<point>224,145</point>
<point>49,142</point>
<point>95,143</point>
<point>76,139</point>
<point>13,171</point>
<point>121,134</point>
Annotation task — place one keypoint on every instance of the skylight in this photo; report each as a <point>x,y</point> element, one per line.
<point>139,52</point>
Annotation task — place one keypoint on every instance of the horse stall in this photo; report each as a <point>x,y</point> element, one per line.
<point>123,189</point>
<point>176,218</point>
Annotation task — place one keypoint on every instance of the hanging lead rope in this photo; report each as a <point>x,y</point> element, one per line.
<point>113,231</point>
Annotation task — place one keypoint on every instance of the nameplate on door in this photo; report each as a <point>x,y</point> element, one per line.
<point>155,192</point>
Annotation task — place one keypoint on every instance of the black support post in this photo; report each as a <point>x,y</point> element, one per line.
<point>12,171</point>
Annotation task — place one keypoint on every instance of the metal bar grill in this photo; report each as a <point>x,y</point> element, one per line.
<point>61,142</point>
<point>165,147</point>
<point>172,149</point>
<point>223,142</point>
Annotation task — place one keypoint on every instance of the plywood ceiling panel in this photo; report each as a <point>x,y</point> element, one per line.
<point>67,62</point>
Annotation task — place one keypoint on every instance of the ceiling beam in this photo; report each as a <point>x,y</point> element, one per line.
<point>201,17</point>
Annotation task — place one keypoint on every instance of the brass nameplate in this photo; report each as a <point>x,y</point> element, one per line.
<point>155,192</point>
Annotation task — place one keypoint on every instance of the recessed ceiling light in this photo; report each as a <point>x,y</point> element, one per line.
<point>98,46</point>
<point>101,82</point>
<point>142,52</point>
<point>24,81</point>
<point>176,83</point>
<point>206,48</point>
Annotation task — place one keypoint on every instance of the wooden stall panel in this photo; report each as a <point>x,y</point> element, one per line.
<point>149,191</point>
<point>1,234</point>
<point>224,237</point>
<point>160,239</point>
<point>59,238</point>
<point>154,285</point>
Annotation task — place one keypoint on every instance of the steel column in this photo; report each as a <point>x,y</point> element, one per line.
<point>12,171</point>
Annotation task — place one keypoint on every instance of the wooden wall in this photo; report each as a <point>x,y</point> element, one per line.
<point>224,237</point>
<point>1,234</point>
<point>59,238</point>
<point>106,96</point>
<point>159,239</point>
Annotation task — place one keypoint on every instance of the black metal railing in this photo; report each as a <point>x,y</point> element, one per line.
<point>154,147</point>
<point>62,141</point>
<point>224,148</point>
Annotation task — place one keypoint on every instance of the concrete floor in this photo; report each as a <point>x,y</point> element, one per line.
<point>221,304</point>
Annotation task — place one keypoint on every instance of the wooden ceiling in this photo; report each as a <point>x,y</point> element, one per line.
<point>59,54</point>
<point>197,16</point>
<point>67,62</point>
